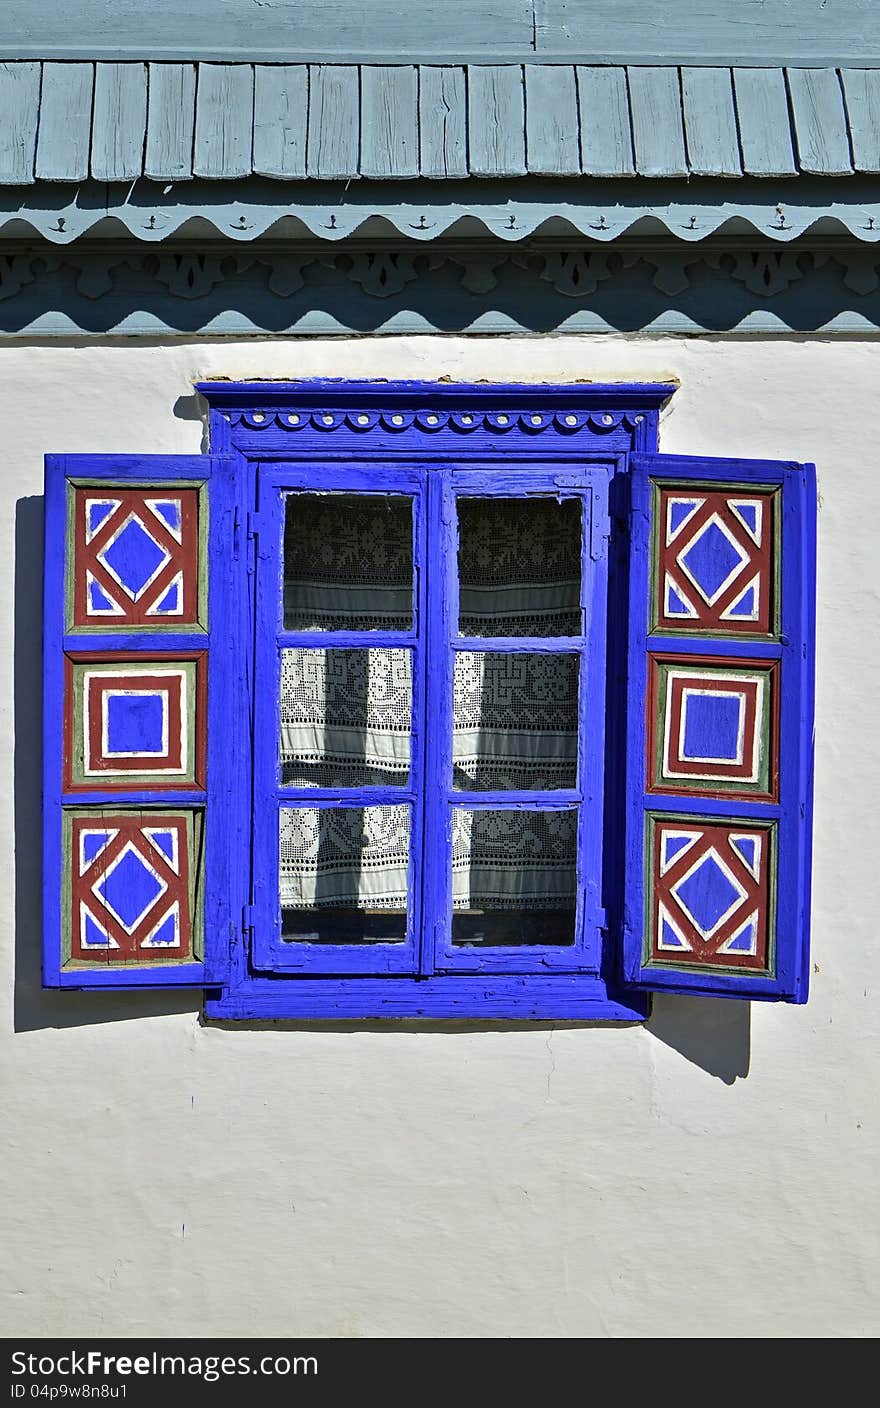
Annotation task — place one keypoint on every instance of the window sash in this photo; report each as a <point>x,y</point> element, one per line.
<point>434,644</point>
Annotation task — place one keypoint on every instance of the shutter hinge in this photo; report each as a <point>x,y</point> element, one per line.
<point>247,919</point>
<point>600,525</point>
<point>253,523</point>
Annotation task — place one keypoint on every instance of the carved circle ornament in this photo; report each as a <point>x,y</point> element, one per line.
<point>533,422</point>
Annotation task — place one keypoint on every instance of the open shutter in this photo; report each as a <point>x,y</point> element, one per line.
<point>720,726</point>
<point>141,635</point>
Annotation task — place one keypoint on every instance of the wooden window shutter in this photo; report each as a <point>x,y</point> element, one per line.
<point>720,726</point>
<point>141,623</point>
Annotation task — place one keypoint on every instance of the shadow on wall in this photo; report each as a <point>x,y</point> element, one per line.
<point>711,1033</point>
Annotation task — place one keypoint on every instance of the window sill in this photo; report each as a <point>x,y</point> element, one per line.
<point>564,997</point>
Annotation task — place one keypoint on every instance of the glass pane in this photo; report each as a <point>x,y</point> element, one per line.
<point>519,567</point>
<point>348,562</point>
<point>343,874</point>
<point>515,721</point>
<point>514,876</point>
<point>346,717</point>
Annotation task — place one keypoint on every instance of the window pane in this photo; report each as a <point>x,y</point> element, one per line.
<point>515,720</point>
<point>519,567</point>
<point>343,874</point>
<point>514,876</point>
<point>346,717</point>
<point>348,562</point>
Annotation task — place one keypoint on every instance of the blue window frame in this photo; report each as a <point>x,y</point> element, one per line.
<point>433,785</point>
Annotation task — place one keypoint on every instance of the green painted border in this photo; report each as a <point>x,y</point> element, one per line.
<point>111,626</point>
<point>704,785</point>
<point>771,828</point>
<point>128,780</point>
<point>195,836</point>
<point>714,486</point>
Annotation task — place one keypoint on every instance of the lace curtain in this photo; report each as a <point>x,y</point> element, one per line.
<point>345,714</point>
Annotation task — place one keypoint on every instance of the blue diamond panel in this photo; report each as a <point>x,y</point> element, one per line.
<point>707,894</point>
<point>129,889</point>
<point>711,559</point>
<point>134,556</point>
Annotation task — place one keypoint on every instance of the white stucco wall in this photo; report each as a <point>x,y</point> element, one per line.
<point>712,1174</point>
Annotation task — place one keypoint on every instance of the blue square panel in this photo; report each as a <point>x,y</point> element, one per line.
<point>712,726</point>
<point>136,724</point>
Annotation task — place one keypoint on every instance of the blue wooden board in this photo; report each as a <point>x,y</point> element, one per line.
<point>606,133</point>
<point>496,111</point>
<point>119,121</point>
<point>170,122</point>
<point>389,121</point>
<point>65,131</point>
<point>764,122</point>
<point>281,99</point>
<point>19,104</point>
<point>861,90</point>
<point>751,31</point>
<point>552,120</point>
<point>442,121</point>
<point>334,121</point>
<point>819,122</point>
<point>393,121</point>
<point>710,122</point>
<point>224,121</point>
<point>658,136</point>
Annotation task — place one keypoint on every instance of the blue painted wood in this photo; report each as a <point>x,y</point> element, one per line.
<point>245,211</point>
<point>819,121</point>
<point>343,640</point>
<point>710,122</point>
<point>389,121</point>
<point>281,107</point>
<point>670,645</point>
<point>441,609</point>
<point>65,130</point>
<point>442,121</point>
<point>861,90</point>
<point>119,122</point>
<point>314,392</point>
<point>224,121</point>
<point>581,997</point>
<point>606,133</point>
<point>170,122</point>
<point>789,980</point>
<point>19,106</point>
<point>753,31</point>
<point>443,642</point>
<point>255,115</point>
<point>551,98</point>
<point>334,121</point>
<point>658,136</point>
<point>504,994</point>
<point>225,876</point>
<point>496,138</point>
<point>270,951</point>
<point>764,122</point>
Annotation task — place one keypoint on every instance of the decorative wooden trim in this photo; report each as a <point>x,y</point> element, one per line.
<point>397,287</point>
